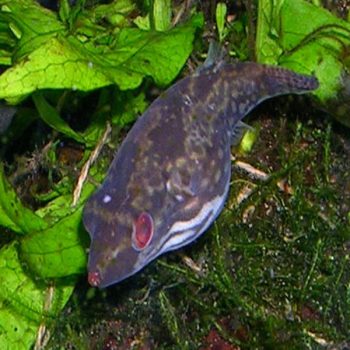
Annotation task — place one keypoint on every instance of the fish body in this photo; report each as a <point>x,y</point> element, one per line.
<point>170,177</point>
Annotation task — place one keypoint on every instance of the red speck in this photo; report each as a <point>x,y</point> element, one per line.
<point>143,231</point>
<point>94,278</point>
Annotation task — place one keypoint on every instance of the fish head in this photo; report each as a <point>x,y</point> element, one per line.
<point>117,241</point>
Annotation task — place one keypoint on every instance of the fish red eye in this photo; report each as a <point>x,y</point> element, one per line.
<point>143,231</point>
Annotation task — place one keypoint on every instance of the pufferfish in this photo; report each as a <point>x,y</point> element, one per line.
<point>170,177</point>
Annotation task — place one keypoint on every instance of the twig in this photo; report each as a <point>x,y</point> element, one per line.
<point>282,185</point>
<point>260,175</point>
<point>43,334</point>
<point>85,169</point>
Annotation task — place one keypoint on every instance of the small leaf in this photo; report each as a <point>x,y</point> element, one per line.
<point>116,12</point>
<point>64,10</point>
<point>143,22</point>
<point>52,118</point>
<point>162,14</point>
<point>221,11</point>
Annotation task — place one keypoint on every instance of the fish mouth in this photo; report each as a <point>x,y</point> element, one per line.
<point>94,278</point>
<point>112,267</point>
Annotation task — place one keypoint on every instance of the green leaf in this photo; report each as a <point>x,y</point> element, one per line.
<point>13,214</point>
<point>127,107</point>
<point>268,48</point>
<point>58,251</point>
<point>24,303</point>
<point>159,17</point>
<point>31,23</point>
<point>5,59</point>
<point>67,63</point>
<point>64,10</point>
<point>143,22</point>
<point>221,11</point>
<point>116,12</point>
<point>161,14</point>
<point>52,118</point>
<point>307,39</point>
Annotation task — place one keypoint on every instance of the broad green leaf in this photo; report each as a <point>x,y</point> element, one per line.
<point>56,64</point>
<point>13,214</point>
<point>307,39</point>
<point>58,251</point>
<point>52,118</point>
<point>268,48</point>
<point>140,53</point>
<point>24,303</point>
<point>320,48</point>
<point>67,63</point>
<point>30,23</point>
<point>56,209</point>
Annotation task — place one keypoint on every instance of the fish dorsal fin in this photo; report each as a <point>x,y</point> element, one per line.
<point>215,58</point>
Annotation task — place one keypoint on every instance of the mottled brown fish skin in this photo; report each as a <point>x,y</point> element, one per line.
<point>174,165</point>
